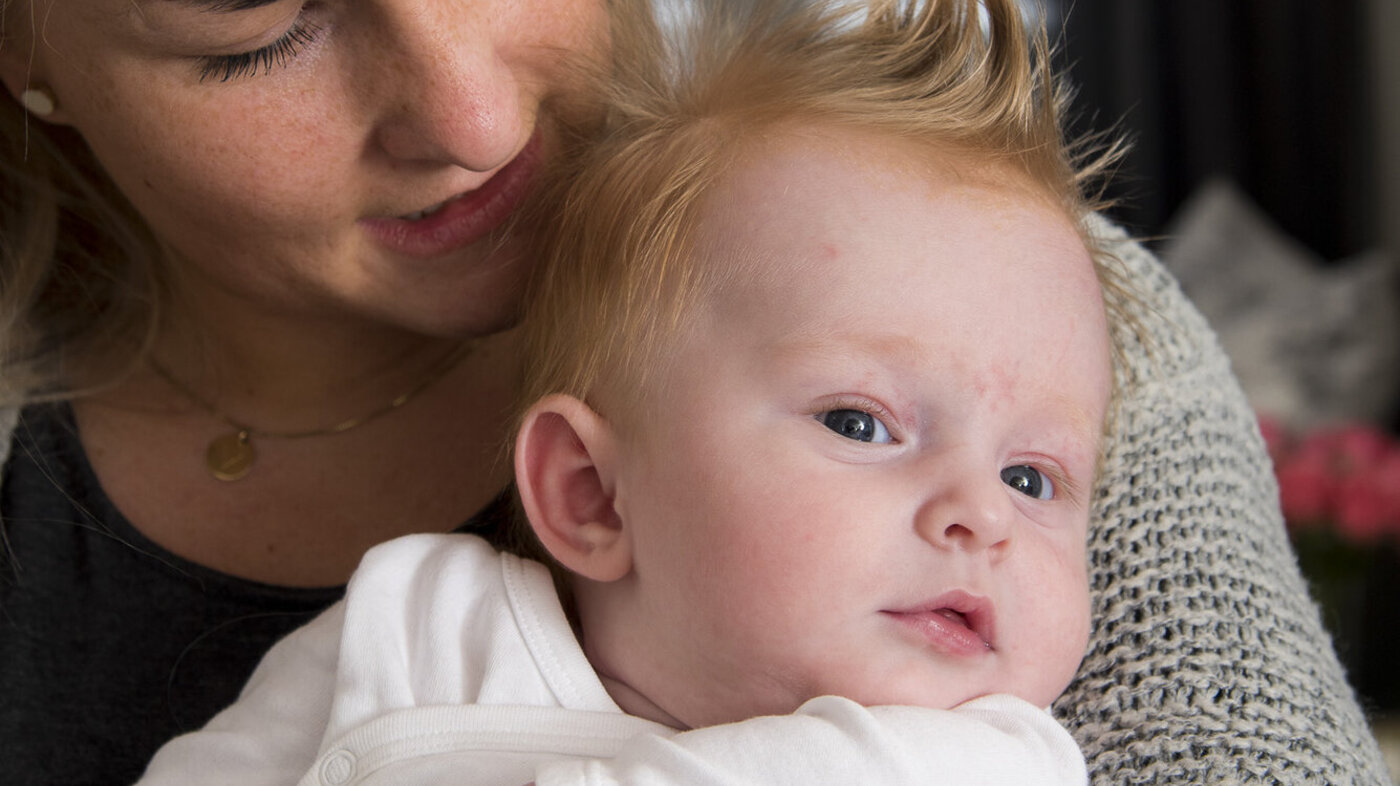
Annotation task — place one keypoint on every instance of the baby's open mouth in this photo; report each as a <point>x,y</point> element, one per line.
<point>955,616</point>
<point>955,622</point>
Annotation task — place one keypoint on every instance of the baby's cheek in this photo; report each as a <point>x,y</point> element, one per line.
<point>1058,618</point>
<point>1076,626</point>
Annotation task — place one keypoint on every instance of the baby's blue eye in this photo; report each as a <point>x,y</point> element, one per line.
<point>855,424</point>
<point>1029,481</point>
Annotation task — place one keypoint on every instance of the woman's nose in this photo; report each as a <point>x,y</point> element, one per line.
<point>448,97</point>
<point>967,514</point>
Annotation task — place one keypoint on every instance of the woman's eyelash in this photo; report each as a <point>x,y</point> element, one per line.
<point>275,55</point>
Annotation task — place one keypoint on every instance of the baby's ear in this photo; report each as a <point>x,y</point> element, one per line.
<point>564,463</point>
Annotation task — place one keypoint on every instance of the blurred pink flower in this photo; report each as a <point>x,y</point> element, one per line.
<point>1346,477</point>
<point>1307,488</point>
<point>1368,501</point>
<point>1351,447</point>
<point>1275,437</point>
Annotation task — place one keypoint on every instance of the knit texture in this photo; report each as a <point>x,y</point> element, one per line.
<point>1208,662</point>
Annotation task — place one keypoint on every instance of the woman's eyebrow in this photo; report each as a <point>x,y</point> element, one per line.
<point>225,6</point>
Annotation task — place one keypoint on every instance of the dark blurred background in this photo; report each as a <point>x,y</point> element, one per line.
<point>1297,103</point>
<point>1283,97</point>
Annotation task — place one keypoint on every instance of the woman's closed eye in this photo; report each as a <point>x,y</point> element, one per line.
<point>277,54</point>
<point>855,424</point>
<point>1029,481</point>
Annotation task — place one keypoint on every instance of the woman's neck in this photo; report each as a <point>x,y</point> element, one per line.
<point>280,371</point>
<point>309,508</point>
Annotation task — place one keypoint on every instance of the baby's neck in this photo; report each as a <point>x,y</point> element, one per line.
<point>632,702</point>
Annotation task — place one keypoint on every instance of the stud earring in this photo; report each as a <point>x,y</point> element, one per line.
<point>38,101</point>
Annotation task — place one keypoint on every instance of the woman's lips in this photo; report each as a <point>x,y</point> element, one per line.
<point>463,219</point>
<point>955,624</point>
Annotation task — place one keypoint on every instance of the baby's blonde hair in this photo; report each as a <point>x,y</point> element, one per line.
<point>615,276</point>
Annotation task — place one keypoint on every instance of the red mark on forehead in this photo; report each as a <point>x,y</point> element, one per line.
<point>997,386</point>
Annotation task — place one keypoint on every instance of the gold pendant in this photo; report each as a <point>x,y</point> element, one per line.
<point>230,456</point>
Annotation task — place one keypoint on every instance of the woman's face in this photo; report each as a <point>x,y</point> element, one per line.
<point>344,158</point>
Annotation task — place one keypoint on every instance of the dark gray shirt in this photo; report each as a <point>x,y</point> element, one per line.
<point>110,645</point>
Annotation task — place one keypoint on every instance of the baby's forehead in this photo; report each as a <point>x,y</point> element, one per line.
<point>824,237</point>
<point>771,162</point>
<point>794,202</point>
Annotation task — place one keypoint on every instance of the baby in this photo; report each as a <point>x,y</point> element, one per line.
<point>820,363</point>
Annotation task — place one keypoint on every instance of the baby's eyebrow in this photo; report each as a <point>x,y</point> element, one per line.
<point>817,339</point>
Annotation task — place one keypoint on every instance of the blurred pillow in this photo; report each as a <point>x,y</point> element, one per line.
<point>1309,342</point>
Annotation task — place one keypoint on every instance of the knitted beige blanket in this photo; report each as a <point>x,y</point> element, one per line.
<point>1208,663</point>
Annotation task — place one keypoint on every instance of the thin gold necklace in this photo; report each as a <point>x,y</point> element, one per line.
<point>230,456</point>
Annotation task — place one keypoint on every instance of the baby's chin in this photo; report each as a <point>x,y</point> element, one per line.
<point>916,688</point>
<point>927,697</point>
<point>940,691</point>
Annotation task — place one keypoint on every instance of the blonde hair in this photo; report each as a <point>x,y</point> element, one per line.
<point>615,276</point>
<point>79,285</point>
